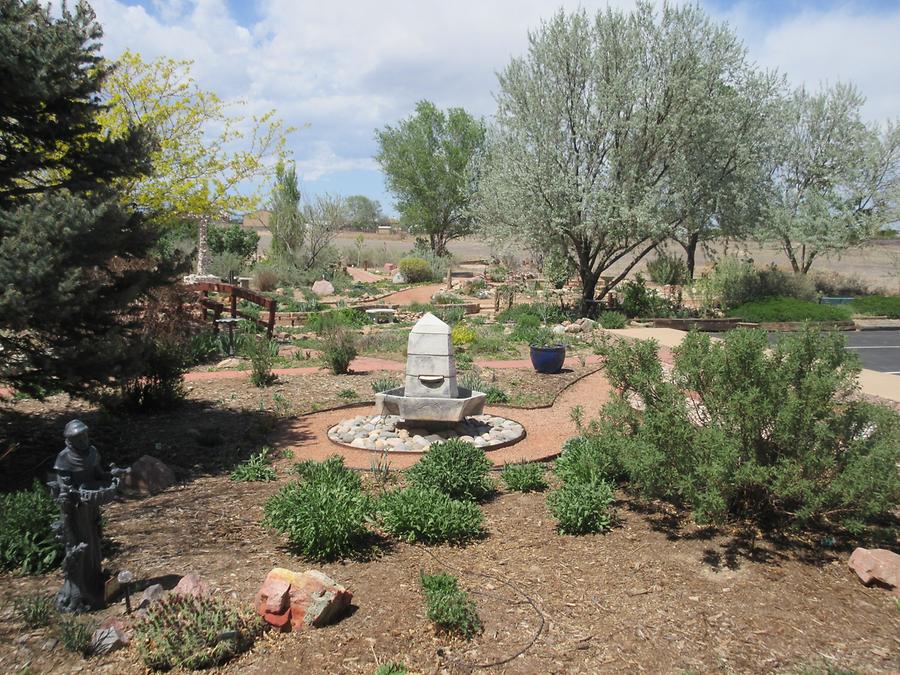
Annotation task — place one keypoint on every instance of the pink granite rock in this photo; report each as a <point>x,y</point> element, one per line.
<point>291,601</point>
<point>877,565</point>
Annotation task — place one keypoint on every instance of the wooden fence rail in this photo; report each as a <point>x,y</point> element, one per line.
<point>234,293</point>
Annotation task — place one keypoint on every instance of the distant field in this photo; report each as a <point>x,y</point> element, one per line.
<point>878,263</point>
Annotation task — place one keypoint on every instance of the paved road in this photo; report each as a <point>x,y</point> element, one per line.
<point>877,349</point>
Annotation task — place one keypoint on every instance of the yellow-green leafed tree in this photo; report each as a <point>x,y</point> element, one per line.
<point>203,150</point>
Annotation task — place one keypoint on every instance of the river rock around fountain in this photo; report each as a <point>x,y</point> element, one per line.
<point>389,433</point>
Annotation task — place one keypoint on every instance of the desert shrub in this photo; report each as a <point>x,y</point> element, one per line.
<point>160,383</point>
<point>384,383</point>
<point>414,269</point>
<point>27,540</point>
<point>255,468</point>
<point>735,282</point>
<point>184,631</point>
<point>75,634</point>
<point>445,298</point>
<point>782,441</point>
<point>474,287</point>
<point>324,513</point>
<point>789,309</point>
<point>835,283</point>
<point>878,305</point>
<point>348,394</point>
<point>462,335</point>
<point>428,515</point>
<point>581,508</point>
<point>262,354</point>
<point>496,273</point>
<point>265,278</point>
<point>590,458</point>
<point>450,315</point>
<point>524,477</point>
<point>339,350</point>
<point>545,313</point>
<point>667,269</point>
<point>448,607</point>
<point>456,468</point>
<point>323,323</point>
<point>774,282</point>
<point>36,610</point>
<point>612,320</point>
<point>640,301</point>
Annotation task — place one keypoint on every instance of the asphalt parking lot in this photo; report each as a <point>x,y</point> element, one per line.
<point>877,349</point>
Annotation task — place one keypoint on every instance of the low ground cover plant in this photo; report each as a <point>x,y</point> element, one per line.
<point>255,468</point>
<point>324,513</point>
<point>524,477</point>
<point>462,335</point>
<point>384,383</point>
<point>493,394</point>
<point>789,309</point>
<point>877,305</point>
<point>27,541</point>
<point>391,668</point>
<point>582,508</point>
<point>448,607</point>
<point>428,515</point>
<point>184,631</point>
<point>456,468</point>
<point>742,430</point>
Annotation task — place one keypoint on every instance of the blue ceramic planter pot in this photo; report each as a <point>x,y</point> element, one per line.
<point>548,359</point>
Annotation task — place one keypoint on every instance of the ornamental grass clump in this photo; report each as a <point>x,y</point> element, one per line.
<point>324,513</point>
<point>742,429</point>
<point>454,467</point>
<point>184,631</point>
<point>428,515</point>
<point>448,607</point>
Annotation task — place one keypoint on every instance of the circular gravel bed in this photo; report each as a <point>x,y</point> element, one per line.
<point>390,433</point>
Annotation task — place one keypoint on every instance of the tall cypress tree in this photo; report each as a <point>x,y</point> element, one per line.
<point>73,258</point>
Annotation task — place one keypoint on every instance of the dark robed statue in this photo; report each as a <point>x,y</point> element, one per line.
<point>81,486</point>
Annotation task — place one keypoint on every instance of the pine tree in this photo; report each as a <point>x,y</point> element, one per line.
<point>73,257</point>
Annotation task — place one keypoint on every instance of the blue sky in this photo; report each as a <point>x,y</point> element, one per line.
<point>338,70</point>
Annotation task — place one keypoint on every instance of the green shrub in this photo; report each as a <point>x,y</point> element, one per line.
<point>262,354</point>
<point>160,383</point>
<point>448,607</point>
<point>524,477</point>
<point>543,312</point>
<point>323,514</point>
<point>414,269</point>
<point>348,394</point>
<point>323,323</point>
<point>581,508</point>
<point>462,335</point>
<point>36,610</point>
<point>612,320</point>
<point>445,298</point>
<point>878,305</point>
<point>184,631</point>
<point>428,515</point>
<point>75,634</point>
<point>789,309</point>
<point>667,269</point>
<point>735,282</point>
<point>233,239</point>
<point>384,383</point>
<point>27,540</point>
<point>450,315</point>
<point>496,273</point>
<point>391,668</point>
<point>494,395</point>
<point>456,468</point>
<point>255,468</point>
<point>202,347</point>
<point>782,439</point>
<point>545,338</point>
<point>557,268</point>
<point>590,458</point>
<point>339,351</point>
<point>640,301</point>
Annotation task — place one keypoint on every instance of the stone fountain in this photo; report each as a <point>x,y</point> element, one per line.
<point>430,406</point>
<point>430,395</point>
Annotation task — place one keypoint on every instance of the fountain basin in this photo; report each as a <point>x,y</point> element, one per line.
<point>430,409</point>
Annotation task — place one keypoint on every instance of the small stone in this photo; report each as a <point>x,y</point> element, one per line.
<point>50,644</point>
<point>558,329</point>
<point>148,476</point>
<point>232,362</point>
<point>358,443</point>
<point>191,584</point>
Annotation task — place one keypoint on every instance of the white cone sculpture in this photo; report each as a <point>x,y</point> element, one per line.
<point>430,393</point>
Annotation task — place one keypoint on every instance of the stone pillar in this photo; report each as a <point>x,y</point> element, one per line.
<point>204,257</point>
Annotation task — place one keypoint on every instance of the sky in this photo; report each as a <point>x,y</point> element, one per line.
<point>339,70</point>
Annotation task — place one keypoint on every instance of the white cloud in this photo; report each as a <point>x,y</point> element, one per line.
<point>346,67</point>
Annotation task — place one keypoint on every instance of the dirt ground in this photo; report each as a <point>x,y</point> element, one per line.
<point>656,594</point>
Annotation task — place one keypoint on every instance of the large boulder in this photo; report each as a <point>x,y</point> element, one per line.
<point>292,601</point>
<point>323,288</point>
<point>148,476</point>
<point>877,566</point>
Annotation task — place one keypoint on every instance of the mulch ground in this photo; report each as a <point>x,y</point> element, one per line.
<point>656,594</point>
